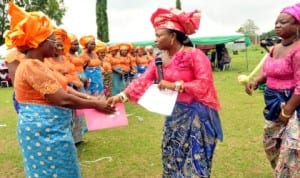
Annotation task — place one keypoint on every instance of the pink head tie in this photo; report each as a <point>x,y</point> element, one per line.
<point>176,19</point>
<point>293,11</point>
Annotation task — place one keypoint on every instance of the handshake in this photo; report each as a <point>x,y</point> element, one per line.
<point>107,105</point>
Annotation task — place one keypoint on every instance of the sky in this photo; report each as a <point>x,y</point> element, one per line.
<point>129,20</point>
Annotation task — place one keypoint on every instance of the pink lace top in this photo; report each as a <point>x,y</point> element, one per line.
<point>193,67</point>
<point>283,73</point>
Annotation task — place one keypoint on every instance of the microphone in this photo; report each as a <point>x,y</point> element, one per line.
<point>158,63</point>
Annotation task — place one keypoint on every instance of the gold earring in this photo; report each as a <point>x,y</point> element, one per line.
<point>172,41</point>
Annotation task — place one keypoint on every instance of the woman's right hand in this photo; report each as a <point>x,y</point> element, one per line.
<point>250,87</point>
<point>114,100</point>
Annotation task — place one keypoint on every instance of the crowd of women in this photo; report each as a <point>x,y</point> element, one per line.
<point>52,79</point>
<point>93,67</point>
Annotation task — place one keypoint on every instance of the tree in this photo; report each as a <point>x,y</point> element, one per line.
<point>178,4</point>
<point>102,20</point>
<point>4,23</point>
<point>268,34</point>
<point>54,9</point>
<point>250,29</point>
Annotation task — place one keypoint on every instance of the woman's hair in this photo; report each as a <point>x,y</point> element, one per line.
<point>182,38</point>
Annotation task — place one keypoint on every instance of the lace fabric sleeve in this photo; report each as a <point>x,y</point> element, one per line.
<point>139,85</point>
<point>41,78</point>
<point>202,86</point>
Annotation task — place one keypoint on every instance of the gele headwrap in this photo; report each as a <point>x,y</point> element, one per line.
<point>176,19</point>
<point>125,46</point>
<point>113,47</point>
<point>72,37</point>
<point>61,34</point>
<point>84,40</point>
<point>293,10</point>
<point>27,30</point>
<point>100,46</point>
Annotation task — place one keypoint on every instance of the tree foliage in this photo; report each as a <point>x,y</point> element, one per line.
<point>54,9</point>
<point>178,4</point>
<point>250,29</point>
<point>102,21</point>
<point>4,23</point>
<point>268,34</point>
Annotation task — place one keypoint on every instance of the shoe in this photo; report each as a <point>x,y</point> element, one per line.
<point>80,142</point>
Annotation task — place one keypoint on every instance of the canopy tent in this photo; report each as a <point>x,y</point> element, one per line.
<point>3,51</point>
<point>220,39</point>
<point>209,40</point>
<point>209,33</point>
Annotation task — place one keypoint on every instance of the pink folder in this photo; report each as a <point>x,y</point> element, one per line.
<point>96,120</point>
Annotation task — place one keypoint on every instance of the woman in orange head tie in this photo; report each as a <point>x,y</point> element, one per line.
<point>59,63</point>
<point>92,65</point>
<point>117,70</point>
<point>44,120</point>
<point>78,62</point>
<point>142,60</point>
<point>65,70</point>
<point>101,51</point>
<point>128,62</point>
<point>191,132</point>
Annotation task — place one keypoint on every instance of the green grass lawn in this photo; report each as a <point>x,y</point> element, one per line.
<point>135,149</point>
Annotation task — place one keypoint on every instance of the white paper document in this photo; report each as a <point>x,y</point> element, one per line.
<point>158,101</point>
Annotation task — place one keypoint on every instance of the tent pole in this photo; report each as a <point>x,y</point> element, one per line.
<point>246,56</point>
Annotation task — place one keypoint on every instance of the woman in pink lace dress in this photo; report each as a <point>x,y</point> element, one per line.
<point>190,133</point>
<point>281,73</point>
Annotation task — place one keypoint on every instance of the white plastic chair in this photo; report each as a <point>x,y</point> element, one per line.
<point>4,84</point>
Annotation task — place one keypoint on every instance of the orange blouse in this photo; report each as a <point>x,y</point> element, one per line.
<point>77,61</point>
<point>90,61</point>
<point>63,65</point>
<point>125,63</point>
<point>133,61</point>
<point>106,66</point>
<point>66,68</point>
<point>150,58</point>
<point>115,61</point>
<point>142,60</point>
<point>33,80</point>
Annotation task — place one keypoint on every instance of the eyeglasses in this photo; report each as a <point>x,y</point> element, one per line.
<point>52,41</point>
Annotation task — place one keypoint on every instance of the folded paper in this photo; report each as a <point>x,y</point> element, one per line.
<point>96,120</point>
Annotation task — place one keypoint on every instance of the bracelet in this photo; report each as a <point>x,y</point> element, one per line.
<point>179,86</point>
<point>285,115</point>
<point>123,97</point>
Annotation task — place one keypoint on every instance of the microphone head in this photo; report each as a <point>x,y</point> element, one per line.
<point>158,61</point>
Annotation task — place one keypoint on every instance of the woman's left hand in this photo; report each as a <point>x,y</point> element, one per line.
<point>104,106</point>
<point>284,116</point>
<point>163,84</point>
